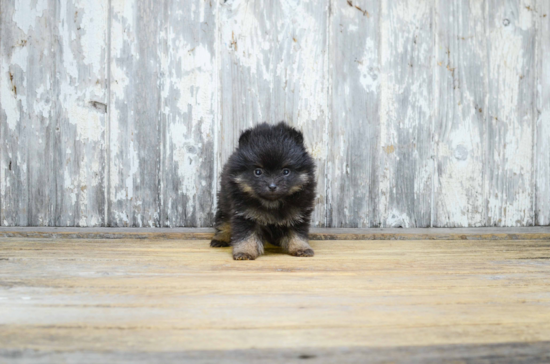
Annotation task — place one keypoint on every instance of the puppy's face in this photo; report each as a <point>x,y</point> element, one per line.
<point>272,182</point>
<point>273,163</point>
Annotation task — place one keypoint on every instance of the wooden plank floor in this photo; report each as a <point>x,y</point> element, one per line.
<point>355,301</point>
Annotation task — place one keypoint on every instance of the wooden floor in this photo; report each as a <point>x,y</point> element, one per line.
<point>355,301</point>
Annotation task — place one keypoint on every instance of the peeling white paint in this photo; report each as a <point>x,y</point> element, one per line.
<point>461,183</point>
<point>398,219</point>
<point>26,12</point>
<point>526,10</point>
<point>14,77</point>
<point>93,22</point>
<point>87,122</point>
<point>509,186</point>
<point>234,65</point>
<point>242,35</point>
<point>134,165</point>
<point>9,99</point>
<point>368,67</point>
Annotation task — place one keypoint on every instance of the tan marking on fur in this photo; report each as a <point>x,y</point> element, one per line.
<point>270,204</point>
<point>295,189</point>
<point>252,246</point>
<point>267,218</point>
<point>294,243</point>
<point>244,186</point>
<point>223,233</point>
<point>304,178</point>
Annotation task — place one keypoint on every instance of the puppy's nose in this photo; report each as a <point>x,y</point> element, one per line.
<point>272,187</point>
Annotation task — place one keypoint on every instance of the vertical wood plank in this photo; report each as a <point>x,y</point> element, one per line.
<point>273,68</point>
<point>246,70</point>
<point>188,97</point>
<point>81,76</point>
<point>460,108</point>
<point>406,113</point>
<point>27,112</point>
<point>511,83</point>
<point>300,81</point>
<point>542,151</point>
<point>353,168</point>
<point>3,116</point>
<point>135,133</point>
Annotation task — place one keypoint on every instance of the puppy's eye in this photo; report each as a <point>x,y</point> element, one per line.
<point>286,171</point>
<point>258,172</point>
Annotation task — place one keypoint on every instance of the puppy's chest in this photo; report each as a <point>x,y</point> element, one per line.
<point>282,217</point>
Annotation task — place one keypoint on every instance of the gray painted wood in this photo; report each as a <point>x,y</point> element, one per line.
<point>135,130</point>
<point>188,111</point>
<point>245,71</point>
<point>274,67</point>
<point>418,113</point>
<point>81,57</point>
<point>28,113</point>
<point>510,112</point>
<point>406,113</point>
<point>460,107</point>
<point>542,141</point>
<point>353,167</point>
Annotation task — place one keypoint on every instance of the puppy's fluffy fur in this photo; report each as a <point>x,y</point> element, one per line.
<point>267,192</point>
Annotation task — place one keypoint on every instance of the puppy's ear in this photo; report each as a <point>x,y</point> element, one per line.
<point>297,136</point>
<point>245,137</point>
<point>293,133</point>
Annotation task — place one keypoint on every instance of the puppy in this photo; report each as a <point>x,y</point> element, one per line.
<point>267,192</point>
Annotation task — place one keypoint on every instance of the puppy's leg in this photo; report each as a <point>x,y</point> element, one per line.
<point>222,238</point>
<point>296,245</point>
<point>295,242</point>
<point>247,243</point>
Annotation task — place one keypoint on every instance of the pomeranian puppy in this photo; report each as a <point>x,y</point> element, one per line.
<point>267,192</point>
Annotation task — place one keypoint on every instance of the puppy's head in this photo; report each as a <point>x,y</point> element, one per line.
<point>271,162</point>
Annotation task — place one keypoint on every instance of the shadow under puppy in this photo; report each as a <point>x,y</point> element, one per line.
<point>267,192</point>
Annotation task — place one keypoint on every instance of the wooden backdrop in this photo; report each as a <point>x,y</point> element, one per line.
<point>418,112</point>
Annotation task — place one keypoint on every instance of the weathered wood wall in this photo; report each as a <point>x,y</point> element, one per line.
<point>418,112</point>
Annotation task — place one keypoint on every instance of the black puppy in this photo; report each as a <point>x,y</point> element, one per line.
<point>267,192</point>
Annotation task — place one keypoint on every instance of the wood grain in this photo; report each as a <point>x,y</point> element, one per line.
<point>355,114</point>
<point>28,101</point>
<point>508,353</point>
<point>81,85</point>
<point>460,127</point>
<point>135,132</point>
<point>418,113</point>
<point>523,233</point>
<point>542,141</point>
<point>406,113</point>
<point>131,296</point>
<point>510,112</point>
<point>188,70</point>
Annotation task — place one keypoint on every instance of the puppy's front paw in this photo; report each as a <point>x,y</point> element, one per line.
<point>218,244</point>
<point>303,253</point>
<point>243,256</point>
